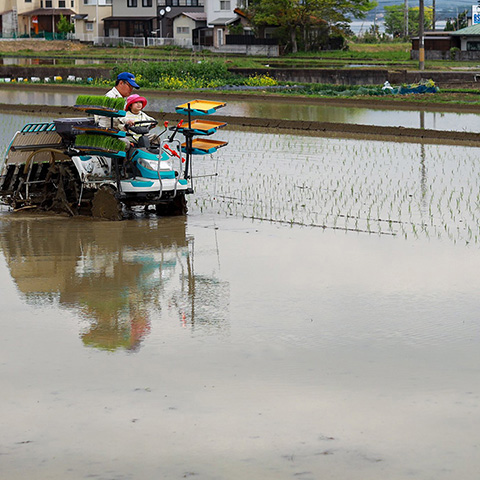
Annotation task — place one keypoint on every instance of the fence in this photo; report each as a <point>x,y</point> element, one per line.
<point>249,40</point>
<point>162,42</point>
<point>35,36</point>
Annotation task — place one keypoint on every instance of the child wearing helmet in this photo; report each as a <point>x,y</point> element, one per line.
<point>134,113</point>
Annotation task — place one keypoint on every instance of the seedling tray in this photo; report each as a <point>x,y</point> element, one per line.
<point>99,110</point>
<point>202,127</point>
<point>199,107</point>
<point>100,130</point>
<point>204,146</point>
<point>102,152</point>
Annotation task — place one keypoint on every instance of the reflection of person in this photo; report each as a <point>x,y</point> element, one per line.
<point>134,108</point>
<point>123,88</point>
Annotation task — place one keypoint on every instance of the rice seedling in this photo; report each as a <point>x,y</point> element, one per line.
<point>102,101</point>
<point>402,189</point>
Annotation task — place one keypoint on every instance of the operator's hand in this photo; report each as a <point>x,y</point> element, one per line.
<point>130,123</point>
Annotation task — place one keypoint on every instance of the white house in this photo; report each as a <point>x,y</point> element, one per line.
<point>221,14</point>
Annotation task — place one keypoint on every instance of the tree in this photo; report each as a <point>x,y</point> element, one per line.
<point>64,26</point>
<point>457,23</point>
<point>302,19</point>
<point>395,20</point>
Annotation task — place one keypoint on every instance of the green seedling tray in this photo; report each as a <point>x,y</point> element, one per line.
<point>99,110</point>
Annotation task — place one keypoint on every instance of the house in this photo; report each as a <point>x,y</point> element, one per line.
<point>168,10</point>
<point>188,28</point>
<point>89,18</point>
<point>227,19</point>
<point>131,18</point>
<point>437,45</point>
<point>30,18</point>
<point>469,39</point>
<point>220,15</point>
<point>463,44</point>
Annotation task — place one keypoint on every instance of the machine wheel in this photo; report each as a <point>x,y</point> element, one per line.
<point>61,189</point>
<point>176,207</point>
<point>105,205</point>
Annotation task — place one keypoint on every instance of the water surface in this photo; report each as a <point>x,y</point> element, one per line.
<point>258,108</point>
<point>330,342</point>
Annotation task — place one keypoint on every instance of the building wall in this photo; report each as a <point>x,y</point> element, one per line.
<point>120,8</point>
<point>86,29</point>
<point>183,22</point>
<point>220,9</point>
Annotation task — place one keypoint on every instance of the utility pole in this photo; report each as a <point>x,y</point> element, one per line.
<point>421,47</point>
<point>433,15</point>
<point>405,19</point>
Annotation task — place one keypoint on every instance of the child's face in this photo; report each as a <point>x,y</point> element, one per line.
<point>136,107</point>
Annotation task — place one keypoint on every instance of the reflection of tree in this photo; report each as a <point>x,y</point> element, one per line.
<point>115,274</point>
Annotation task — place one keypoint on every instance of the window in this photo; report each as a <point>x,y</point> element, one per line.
<point>224,4</point>
<point>473,46</point>
<point>191,3</point>
<point>183,30</point>
<point>146,3</point>
<point>48,3</point>
<point>72,3</point>
<point>61,3</point>
<point>89,26</point>
<point>132,3</point>
<point>28,1</point>
<point>172,3</point>
<point>219,37</point>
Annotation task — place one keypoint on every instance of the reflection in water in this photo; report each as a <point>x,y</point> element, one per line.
<point>268,108</point>
<point>117,276</point>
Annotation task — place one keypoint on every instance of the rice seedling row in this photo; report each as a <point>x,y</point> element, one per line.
<point>403,189</point>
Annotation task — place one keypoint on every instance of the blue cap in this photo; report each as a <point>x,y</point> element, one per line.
<point>128,77</point>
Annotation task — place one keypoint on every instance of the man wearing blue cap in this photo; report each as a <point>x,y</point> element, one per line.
<point>123,88</point>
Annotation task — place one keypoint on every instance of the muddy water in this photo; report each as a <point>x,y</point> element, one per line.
<point>254,109</point>
<point>218,346</point>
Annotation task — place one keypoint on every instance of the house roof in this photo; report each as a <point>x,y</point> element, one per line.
<point>48,11</point>
<point>223,20</point>
<point>197,16</point>
<point>472,30</point>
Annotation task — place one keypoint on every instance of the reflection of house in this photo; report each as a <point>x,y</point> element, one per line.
<point>187,27</point>
<point>29,18</point>
<point>89,19</point>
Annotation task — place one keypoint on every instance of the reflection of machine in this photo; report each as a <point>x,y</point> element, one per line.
<point>118,276</point>
<point>76,166</point>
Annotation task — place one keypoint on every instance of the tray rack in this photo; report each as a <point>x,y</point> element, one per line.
<point>198,127</point>
<point>115,155</point>
<point>199,107</point>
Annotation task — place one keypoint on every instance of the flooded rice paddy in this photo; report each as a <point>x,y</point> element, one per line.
<point>314,316</point>
<point>461,122</point>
